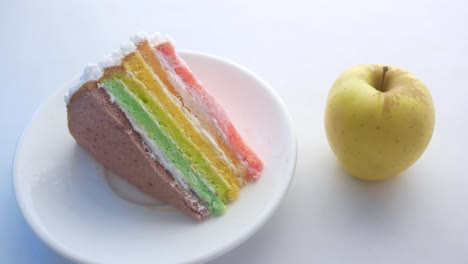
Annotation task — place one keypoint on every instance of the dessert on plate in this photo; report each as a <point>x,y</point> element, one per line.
<point>144,115</point>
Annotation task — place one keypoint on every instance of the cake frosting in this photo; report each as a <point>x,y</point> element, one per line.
<point>93,72</point>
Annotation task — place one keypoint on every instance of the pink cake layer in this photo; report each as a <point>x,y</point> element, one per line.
<point>212,108</point>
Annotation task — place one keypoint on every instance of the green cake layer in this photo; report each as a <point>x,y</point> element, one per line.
<point>121,86</point>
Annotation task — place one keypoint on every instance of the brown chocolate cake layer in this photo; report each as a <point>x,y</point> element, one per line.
<point>102,129</point>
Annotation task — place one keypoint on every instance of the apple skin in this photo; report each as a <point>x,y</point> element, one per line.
<point>376,135</point>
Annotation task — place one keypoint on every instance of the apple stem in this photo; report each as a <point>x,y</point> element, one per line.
<point>384,72</point>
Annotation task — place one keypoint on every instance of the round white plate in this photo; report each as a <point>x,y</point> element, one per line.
<point>65,197</point>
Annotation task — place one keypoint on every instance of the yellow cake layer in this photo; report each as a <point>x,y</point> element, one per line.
<point>148,54</point>
<point>213,166</point>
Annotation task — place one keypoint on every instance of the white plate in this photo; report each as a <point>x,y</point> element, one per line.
<point>64,196</point>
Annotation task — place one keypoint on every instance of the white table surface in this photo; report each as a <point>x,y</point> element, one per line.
<point>299,48</point>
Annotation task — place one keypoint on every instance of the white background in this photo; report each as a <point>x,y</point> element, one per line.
<point>299,48</point>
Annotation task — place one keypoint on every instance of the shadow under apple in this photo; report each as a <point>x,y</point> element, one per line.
<point>373,207</point>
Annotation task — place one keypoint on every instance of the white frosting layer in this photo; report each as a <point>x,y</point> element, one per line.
<point>139,37</point>
<point>154,39</point>
<point>93,72</point>
<point>127,48</point>
<point>90,72</point>
<point>157,38</point>
<point>116,57</point>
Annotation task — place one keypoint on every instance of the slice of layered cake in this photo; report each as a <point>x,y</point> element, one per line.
<point>143,114</point>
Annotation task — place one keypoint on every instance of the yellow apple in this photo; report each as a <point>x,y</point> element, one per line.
<point>379,120</point>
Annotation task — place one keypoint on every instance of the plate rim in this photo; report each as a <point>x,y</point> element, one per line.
<point>52,243</point>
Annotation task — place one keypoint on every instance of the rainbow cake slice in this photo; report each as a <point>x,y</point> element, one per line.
<point>144,115</point>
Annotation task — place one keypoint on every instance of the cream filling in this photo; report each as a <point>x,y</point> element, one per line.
<point>154,40</point>
<point>194,122</point>
<point>204,133</point>
<point>191,99</point>
<point>194,103</point>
